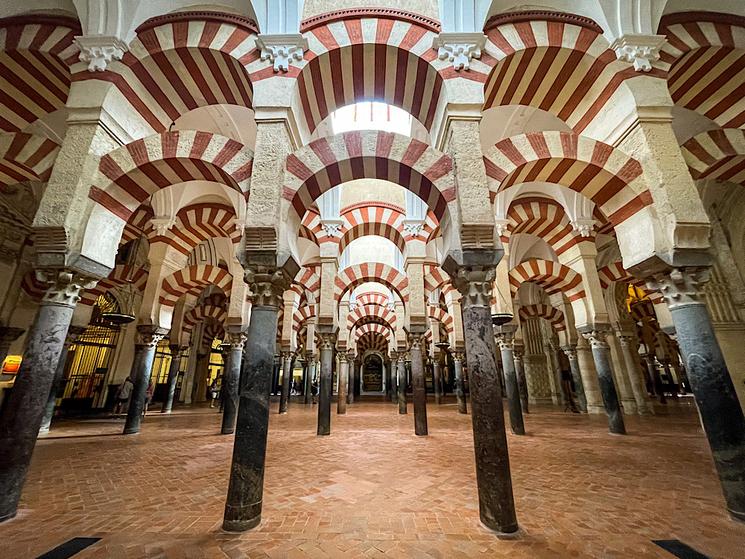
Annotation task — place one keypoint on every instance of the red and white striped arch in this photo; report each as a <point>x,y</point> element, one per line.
<point>372,341</point>
<point>363,314</point>
<point>329,162</point>
<point>373,328</point>
<point>120,275</point>
<point>302,315</point>
<point>545,219</point>
<point>554,316</point>
<point>705,59</point>
<point>436,278</point>
<point>307,281</point>
<point>372,298</point>
<point>598,171</point>
<point>197,223</point>
<point>551,276</point>
<point>615,272</point>
<point>182,61</point>
<point>25,157</point>
<point>36,52</point>
<point>212,330</point>
<point>191,281</point>
<point>441,316</point>
<point>717,155</point>
<point>204,312</point>
<point>131,174</point>
<point>559,63</point>
<point>352,276</point>
<point>370,55</point>
<point>32,287</point>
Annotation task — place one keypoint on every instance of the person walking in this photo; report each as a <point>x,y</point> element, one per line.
<point>122,396</point>
<point>212,393</point>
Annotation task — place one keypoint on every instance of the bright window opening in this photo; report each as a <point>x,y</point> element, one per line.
<point>371,116</point>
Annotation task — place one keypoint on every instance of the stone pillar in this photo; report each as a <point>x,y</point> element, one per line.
<point>601,357</point>
<point>172,377</point>
<point>325,390</point>
<point>590,383</point>
<point>571,352</point>
<point>19,425</point>
<point>496,502</point>
<point>711,383</point>
<point>146,341</point>
<point>341,400</point>
<point>437,379</point>
<point>620,375</point>
<point>401,382</point>
<point>522,385</point>
<point>510,383</point>
<point>231,380</point>
<point>309,374</point>
<point>351,364</point>
<point>284,395</point>
<point>387,397</point>
<point>460,389</point>
<point>73,333</point>
<point>7,336</point>
<point>394,377</point>
<point>418,386</point>
<point>246,486</point>
<point>631,356</point>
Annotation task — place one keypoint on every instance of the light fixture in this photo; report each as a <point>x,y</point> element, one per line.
<point>500,318</point>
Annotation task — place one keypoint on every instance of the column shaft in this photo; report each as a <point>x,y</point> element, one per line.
<point>601,357</point>
<point>419,387</point>
<point>510,383</point>
<point>326,388</point>
<point>284,395</point>
<point>437,379</point>
<point>309,373</point>
<point>172,378</point>
<point>460,389</point>
<point>59,373</point>
<point>341,400</point>
<point>401,384</point>
<point>571,354</point>
<point>522,385</point>
<point>631,356</point>
<point>231,382</point>
<point>142,366</point>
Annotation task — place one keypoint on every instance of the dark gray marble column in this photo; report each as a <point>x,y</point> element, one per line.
<point>311,360</point>
<point>73,333</point>
<point>437,379</point>
<point>246,487</point>
<point>510,383</point>
<point>460,389</point>
<point>173,370</point>
<point>601,358</point>
<point>394,377</point>
<point>350,380</point>
<point>284,395</point>
<point>416,342</point>
<point>631,357</point>
<point>20,422</point>
<point>231,381</point>
<point>522,385</point>
<point>571,353</point>
<point>401,382</point>
<point>146,341</point>
<point>711,383</point>
<point>341,399</point>
<point>387,396</point>
<point>326,388</point>
<point>493,477</point>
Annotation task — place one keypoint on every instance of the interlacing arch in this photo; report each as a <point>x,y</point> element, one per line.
<point>560,63</point>
<point>704,56</point>
<point>373,328</point>
<point>182,61</point>
<point>551,276</point>
<point>191,281</point>
<point>36,52</point>
<point>364,314</point>
<point>131,174</point>
<point>717,155</point>
<point>197,223</point>
<point>25,157</point>
<point>553,315</point>
<point>212,330</point>
<point>122,274</point>
<point>352,276</point>
<point>615,272</point>
<point>329,162</point>
<point>598,171</point>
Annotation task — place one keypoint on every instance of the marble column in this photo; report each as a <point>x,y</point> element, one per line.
<point>401,382</point>
<point>8,335</point>
<point>308,380</point>
<point>343,392</point>
<point>496,502</point>
<point>571,352</point>
<point>73,333</point>
<point>631,356</point>
<point>387,396</point>
<point>437,379</point>
<point>601,357</point>
<point>146,341</point>
<point>510,383</point>
<point>284,395</point>
<point>350,377</point>
<point>621,376</point>
<point>416,341</point>
<point>325,390</point>
<point>173,371</point>
<point>590,382</point>
<point>231,381</point>
<point>522,385</point>
<point>711,383</point>
<point>246,486</point>
<point>24,411</point>
<point>460,388</point>
<point>394,377</point>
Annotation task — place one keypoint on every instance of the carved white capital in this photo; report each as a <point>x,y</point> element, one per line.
<point>413,228</point>
<point>282,49</point>
<point>332,228</point>
<point>583,227</point>
<point>99,50</point>
<point>162,224</point>
<point>502,226</point>
<point>63,286</point>
<point>639,50</point>
<point>459,48</point>
<point>475,285</point>
<point>682,286</point>
<point>597,338</point>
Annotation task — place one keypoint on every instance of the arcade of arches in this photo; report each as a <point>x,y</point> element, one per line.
<point>463,208</point>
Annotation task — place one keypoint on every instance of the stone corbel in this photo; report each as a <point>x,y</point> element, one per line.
<point>99,50</point>
<point>639,50</point>
<point>332,227</point>
<point>413,227</point>
<point>163,224</point>
<point>282,49</point>
<point>459,48</point>
<point>583,226</point>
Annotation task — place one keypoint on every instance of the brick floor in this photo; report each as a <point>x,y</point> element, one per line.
<point>373,489</point>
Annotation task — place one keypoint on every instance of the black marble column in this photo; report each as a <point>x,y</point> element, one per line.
<point>350,382</point>
<point>387,379</point>
<point>309,373</point>
<point>73,333</point>
<point>394,377</point>
<point>20,422</point>
<point>173,371</point>
<point>460,389</point>
<point>401,382</point>
<point>341,399</point>
<point>231,381</point>
<point>522,385</point>
<point>571,353</point>
<point>601,357</point>
<point>493,477</point>
<point>284,395</point>
<point>510,383</point>
<point>437,379</point>
<point>146,341</point>
<point>326,388</point>
<point>418,385</point>
<point>711,383</point>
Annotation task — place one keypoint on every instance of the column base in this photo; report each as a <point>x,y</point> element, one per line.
<point>227,431</point>
<point>509,531</point>
<point>736,515</point>
<point>240,525</point>
<point>131,432</point>
<point>8,516</point>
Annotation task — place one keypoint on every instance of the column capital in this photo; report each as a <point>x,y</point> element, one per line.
<point>505,342</point>
<point>177,350</point>
<point>63,286</point>
<point>328,340</point>
<point>416,340</point>
<point>639,50</point>
<point>99,50</point>
<point>596,338</point>
<point>475,284</point>
<point>267,284</point>
<point>236,340</point>
<point>149,335</point>
<point>681,286</point>
<point>458,356</point>
<point>281,49</point>
<point>570,351</point>
<point>342,356</point>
